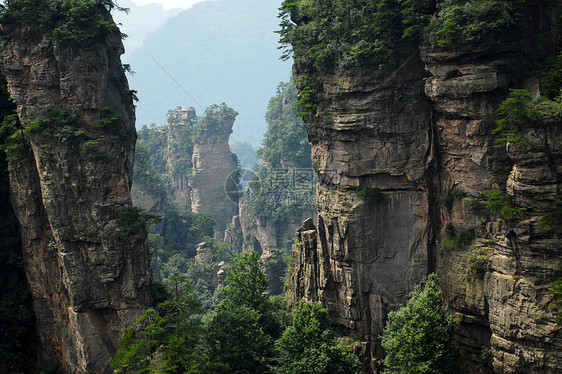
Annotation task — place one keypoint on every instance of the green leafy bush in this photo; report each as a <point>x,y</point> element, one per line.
<point>57,123</point>
<point>135,219</point>
<point>513,113</point>
<point>242,332</point>
<point>309,345</point>
<point>519,112</point>
<point>346,35</point>
<point>110,121</point>
<point>418,337</point>
<point>356,33</point>
<point>217,119</point>
<point>457,239</point>
<point>90,146</point>
<point>285,141</point>
<point>372,195</point>
<point>80,22</point>
<point>553,217</point>
<point>473,21</point>
<point>500,205</point>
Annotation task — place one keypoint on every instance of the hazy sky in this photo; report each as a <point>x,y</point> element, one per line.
<point>170,4</point>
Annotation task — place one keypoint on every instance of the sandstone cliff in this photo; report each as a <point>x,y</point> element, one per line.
<point>84,248</point>
<point>214,174</point>
<point>404,153</point>
<point>188,164</point>
<point>163,164</point>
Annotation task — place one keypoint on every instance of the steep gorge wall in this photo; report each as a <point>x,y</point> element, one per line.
<point>374,158</point>
<point>214,173</point>
<point>428,150</point>
<point>84,250</point>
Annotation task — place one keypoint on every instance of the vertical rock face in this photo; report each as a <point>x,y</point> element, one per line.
<point>84,249</point>
<point>502,307</point>
<point>164,165</point>
<point>214,174</point>
<point>399,170</point>
<point>373,155</point>
<point>180,123</point>
<point>188,164</point>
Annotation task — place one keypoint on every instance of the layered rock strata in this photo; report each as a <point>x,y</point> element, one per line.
<point>372,148</point>
<point>399,175</point>
<point>213,183</point>
<point>84,249</point>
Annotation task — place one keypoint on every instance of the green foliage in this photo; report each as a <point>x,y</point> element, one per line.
<point>134,220</point>
<point>237,339</point>
<point>166,339</point>
<point>309,345</point>
<point>473,21</point>
<point>90,146</point>
<point>513,113</point>
<point>217,119</point>
<point>284,184</point>
<point>15,141</point>
<point>307,101</point>
<point>247,283</point>
<point>58,124</point>
<point>477,264</point>
<point>285,141</point>
<point>76,22</point>
<point>242,332</point>
<point>417,338</point>
<point>553,217</point>
<point>457,239</point>
<point>280,196</point>
<point>150,163</point>
<point>182,231</point>
<point>372,195</point>
<point>500,205</point>
<point>519,112</point>
<point>465,237</point>
<point>346,35</point>
<point>111,122</point>
<point>472,203</point>
<point>452,195</point>
<point>448,244</point>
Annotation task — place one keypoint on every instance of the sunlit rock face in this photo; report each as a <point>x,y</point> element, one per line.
<point>372,144</point>
<point>400,159</point>
<point>213,175</point>
<point>85,252</point>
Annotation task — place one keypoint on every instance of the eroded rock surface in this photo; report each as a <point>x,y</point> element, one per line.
<point>372,146</point>
<point>403,164</point>
<point>85,252</point>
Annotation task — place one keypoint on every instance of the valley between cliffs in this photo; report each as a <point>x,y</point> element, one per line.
<point>415,175</point>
